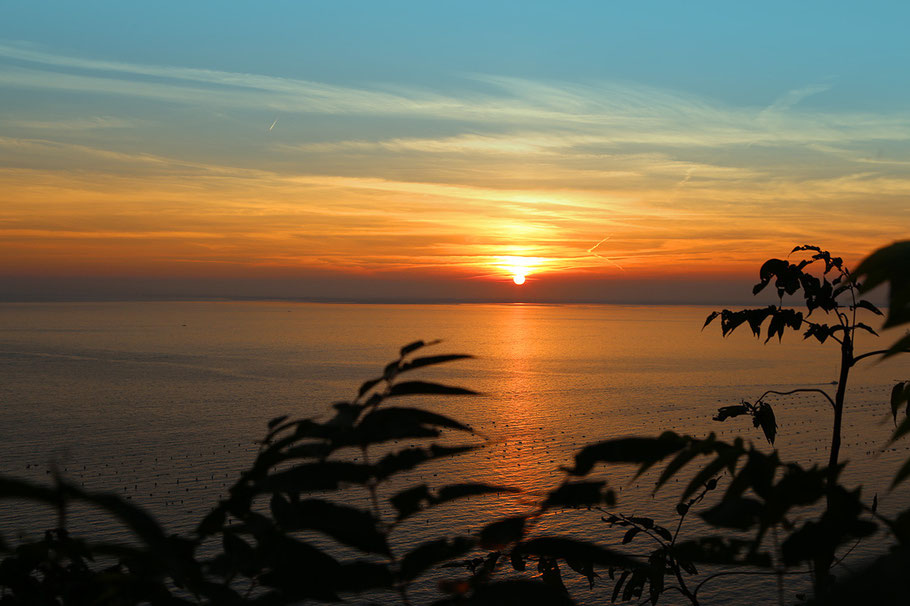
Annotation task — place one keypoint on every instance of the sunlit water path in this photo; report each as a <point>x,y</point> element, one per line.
<point>163,402</point>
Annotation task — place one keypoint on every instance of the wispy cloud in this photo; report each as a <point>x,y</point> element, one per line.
<point>502,167</point>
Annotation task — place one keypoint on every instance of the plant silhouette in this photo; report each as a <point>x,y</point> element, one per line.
<point>307,521</point>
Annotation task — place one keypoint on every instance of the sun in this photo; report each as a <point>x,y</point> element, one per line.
<point>518,279</point>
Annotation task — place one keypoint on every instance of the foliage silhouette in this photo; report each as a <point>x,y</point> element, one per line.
<point>282,534</point>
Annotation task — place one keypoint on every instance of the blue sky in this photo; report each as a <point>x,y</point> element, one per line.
<point>752,52</point>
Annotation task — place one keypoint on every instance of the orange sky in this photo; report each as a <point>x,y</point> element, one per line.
<point>291,185</point>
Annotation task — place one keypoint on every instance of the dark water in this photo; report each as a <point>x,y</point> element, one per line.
<point>162,402</point>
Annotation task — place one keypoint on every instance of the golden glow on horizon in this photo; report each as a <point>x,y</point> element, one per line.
<point>519,268</point>
<point>604,180</point>
<point>262,223</point>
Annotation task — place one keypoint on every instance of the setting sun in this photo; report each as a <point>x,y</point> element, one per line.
<point>518,279</point>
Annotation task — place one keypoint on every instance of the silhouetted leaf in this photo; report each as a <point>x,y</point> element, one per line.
<point>367,386</point>
<point>899,397</point>
<point>549,572</point>
<point>299,570</point>
<point>503,532</point>
<point>239,553</point>
<point>635,585</point>
<point>726,458</point>
<point>645,451</point>
<point>362,576</point>
<point>889,264</point>
<point>384,424</point>
<point>902,345</point>
<point>276,421</point>
<point>143,525</point>
<point>630,534</point>
<point>460,491</point>
<point>516,559</point>
<point>862,303</point>
<point>411,457</point>
<point>416,345</point>
<point>866,328</point>
<point>407,388</point>
<point>710,318</point>
<point>347,525</point>
<point>663,533</point>
<point>576,494</point>
<point>325,475</point>
<point>585,568</point>
<point>431,361</point>
<point>410,501</point>
<point>764,418</point>
<point>821,332</point>
<point>429,554</point>
<point>902,430</point>
<point>656,567</point>
<point>617,587</point>
<point>726,412</point>
<point>739,513</point>
<point>902,473</point>
<point>212,522</point>
<point>21,489</point>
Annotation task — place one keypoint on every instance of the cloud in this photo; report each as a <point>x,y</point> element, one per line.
<point>622,113</point>
<point>396,178</point>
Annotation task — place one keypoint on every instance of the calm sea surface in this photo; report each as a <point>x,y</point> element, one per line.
<point>163,402</point>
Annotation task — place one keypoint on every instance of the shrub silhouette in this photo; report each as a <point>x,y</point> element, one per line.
<point>281,535</point>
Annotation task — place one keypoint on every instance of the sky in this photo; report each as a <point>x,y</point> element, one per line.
<point>435,151</point>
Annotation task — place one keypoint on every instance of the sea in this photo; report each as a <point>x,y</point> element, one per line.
<point>163,403</point>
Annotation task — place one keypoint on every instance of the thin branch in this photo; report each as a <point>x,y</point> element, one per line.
<point>844,557</point>
<point>634,524</point>
<point>877,352</point>
<point>802,390</point>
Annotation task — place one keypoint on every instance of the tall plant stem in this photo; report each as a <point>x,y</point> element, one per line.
<point>823,566</point>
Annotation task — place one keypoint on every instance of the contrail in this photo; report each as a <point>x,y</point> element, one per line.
<point>591,250</point>
<point>607,259</point>
<point>273,124</point>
